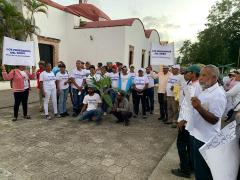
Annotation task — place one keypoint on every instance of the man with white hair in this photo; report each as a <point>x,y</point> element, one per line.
<point>209,107</point>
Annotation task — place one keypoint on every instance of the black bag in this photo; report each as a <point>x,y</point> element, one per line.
<point>231,111</point>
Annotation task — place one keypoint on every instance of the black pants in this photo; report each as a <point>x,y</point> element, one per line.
<point>134,94</point>
<point>150,99</point>
<point>202,171</point>
<point>21,97</point>
<point>184,152</point>
<point>123,116</point>
<point>141,98</point>
<point>162,99</point>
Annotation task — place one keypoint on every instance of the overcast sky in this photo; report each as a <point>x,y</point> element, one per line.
<point>175,20</point>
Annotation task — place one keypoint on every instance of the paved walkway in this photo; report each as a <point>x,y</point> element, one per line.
<point>64,149</point>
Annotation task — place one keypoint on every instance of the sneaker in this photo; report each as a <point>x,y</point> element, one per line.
<point>151,112</point>
<point>74,114</point>
<point>66,114</point>
<point>180,173</point>
<point>126,124</point>
<point>62,115</point>
<point>161,118</point>
<point>48,117</point>
<point>167,122</point>
<point>27,117</point>
<point>104,113</point>
<point>14,119</point>
<point>57,116</point>
<point>134,116</point>
<point>144,117</point>
<point>119,121</point>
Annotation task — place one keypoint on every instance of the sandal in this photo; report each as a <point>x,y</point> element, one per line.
<point>27,117</point>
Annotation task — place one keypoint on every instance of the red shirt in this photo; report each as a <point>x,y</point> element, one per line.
<point>39,71</point>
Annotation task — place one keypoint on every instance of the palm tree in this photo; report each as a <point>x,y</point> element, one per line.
<point>11,20</point>
<point>34,7</point>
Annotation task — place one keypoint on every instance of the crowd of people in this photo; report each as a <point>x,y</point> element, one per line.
<point>192,99</point>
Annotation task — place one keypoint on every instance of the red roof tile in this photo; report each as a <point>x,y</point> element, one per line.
<point>88,11</point>
<point>110,23</point>
<point>148,32</point>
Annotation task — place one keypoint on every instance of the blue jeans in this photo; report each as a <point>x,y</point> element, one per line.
<point>62,101</point>
<point>150,99</point>
<point>90,114</point>
<point>77,100</point>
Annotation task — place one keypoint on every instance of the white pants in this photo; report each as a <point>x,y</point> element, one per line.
<point>53,94</point>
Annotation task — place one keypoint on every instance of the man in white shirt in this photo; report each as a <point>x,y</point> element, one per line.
<point>140,85</point>
<point>209,107</point>
<point>92,75</point>
<point>78,80</point>
<point>63,88</point>
<point>150,90</point>
<point>172,104</point>
<point>91,107</point>
<point>184,146</point>
<point>125,81</point>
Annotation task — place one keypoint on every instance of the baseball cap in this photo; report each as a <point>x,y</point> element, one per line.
<point>237,71</point>
<point>176,66</point>
<point>114,66</point>
<point>141,69</point>
<point>165,67</point>
<point>232,71</point>
<point>194,68</point>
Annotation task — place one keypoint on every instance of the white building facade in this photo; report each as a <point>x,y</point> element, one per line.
<point>84,32</point>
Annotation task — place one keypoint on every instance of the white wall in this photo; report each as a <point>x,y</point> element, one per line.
<point>107,45</point>
<point>135,36</point>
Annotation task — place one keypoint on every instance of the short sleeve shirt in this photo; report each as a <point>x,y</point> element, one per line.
<point>140,82</point>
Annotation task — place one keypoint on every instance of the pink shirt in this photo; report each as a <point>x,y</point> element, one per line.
<point>163,80</point>
<point>17,79</point>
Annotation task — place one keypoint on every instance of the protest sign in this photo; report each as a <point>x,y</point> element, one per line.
<point>18,52</point>
<point>222,154</point>
<point>162,54</point>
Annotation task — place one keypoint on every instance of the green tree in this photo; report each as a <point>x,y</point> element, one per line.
<point>219,42</point>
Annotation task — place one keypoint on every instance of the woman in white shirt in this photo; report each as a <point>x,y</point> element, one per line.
<point>63,89</point>
<point>48,87</point>
<point>234,93</point>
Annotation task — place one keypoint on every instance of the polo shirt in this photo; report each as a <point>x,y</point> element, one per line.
<point>213,100</point>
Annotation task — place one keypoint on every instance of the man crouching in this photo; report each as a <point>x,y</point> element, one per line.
<point>91,107</point>
<point>121,109</point>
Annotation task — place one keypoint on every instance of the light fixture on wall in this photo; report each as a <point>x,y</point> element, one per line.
<point>91,37</point>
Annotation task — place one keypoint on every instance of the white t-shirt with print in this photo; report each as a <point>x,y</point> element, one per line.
<point>79,76</point>
<point>132,75</point>
<point>62,78</point>
<point>114,77</point>
<point>140,82</point>
<point>150,77</point>
<point>48,80</point>
<point>124,81</point>
<point>89,79</point>
<point>26,79</point>
<point>172,80</point>
<point>92,101</point>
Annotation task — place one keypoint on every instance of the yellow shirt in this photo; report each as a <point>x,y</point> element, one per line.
<point>163,80</point>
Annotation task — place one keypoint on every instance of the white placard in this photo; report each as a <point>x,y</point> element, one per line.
<point>222,154</point>
<point>18,52</point>
<point>162,54</point>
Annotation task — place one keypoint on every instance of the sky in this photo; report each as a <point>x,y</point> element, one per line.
<point>175,20</point>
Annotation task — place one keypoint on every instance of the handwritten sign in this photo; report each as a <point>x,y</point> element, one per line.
<point>222,154</point>
<point>18,52</point>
